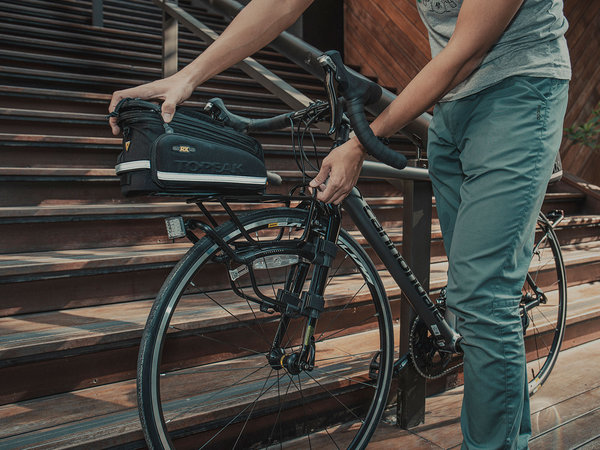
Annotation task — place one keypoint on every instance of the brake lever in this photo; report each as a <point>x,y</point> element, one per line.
<point>334,103</point>
<point>214,111</point>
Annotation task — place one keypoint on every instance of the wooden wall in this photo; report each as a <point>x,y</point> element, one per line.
<point>388,40</point>
<point>583,38</point>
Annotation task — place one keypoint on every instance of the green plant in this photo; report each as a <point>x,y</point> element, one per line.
<point>587,133</point>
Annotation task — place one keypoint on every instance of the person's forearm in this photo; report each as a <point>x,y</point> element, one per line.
<point>438,77</point>
<point>255,26</point>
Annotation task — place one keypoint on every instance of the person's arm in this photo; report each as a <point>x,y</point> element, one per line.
<point>255,26</point>
<point>479,26</point>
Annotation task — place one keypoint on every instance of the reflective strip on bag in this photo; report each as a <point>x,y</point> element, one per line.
<point>132,165</point>
<point>209,178</point>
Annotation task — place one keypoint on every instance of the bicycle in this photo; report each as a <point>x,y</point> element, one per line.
<point>276,328</point>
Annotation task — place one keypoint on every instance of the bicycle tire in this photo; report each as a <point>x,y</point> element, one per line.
<point>544,326</point>
<point>174,327</point>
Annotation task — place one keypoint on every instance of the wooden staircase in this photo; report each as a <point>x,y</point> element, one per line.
<point>80,264</point>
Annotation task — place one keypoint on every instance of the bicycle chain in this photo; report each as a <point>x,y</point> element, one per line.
<point>414,362</point>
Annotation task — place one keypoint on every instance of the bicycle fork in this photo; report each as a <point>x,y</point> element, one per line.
<point>309,303</point>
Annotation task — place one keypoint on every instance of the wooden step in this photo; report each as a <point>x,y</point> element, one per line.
<point>75,226</point>
<point>55,341</point>
<point>47,185</point>
<point>42,264</point>
<point>564,413</point>
<point>92,67</point>
<point>570,202</point>
<point>578,229</point>
<point>113,17</point>
<point>60,79</point>
<point>77,223</point>
<point>62,100</point>
<point>25,265</point>
<point>36,341</point>
<point>23,46</point>
<point>123,40</point>
<point>111,422</point>
<point>96,283</point>
<point>25,121</point>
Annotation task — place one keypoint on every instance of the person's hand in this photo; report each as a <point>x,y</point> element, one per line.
<point>339,172</point>
<point>172,91</point>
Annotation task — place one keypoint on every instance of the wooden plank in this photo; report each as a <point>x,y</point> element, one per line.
<point>96,327</point>
<point>387,38</point>
<point>21,263</point>
<point>565,411</point>
<point>388,436</point>
<point>88,412</point>
<point>573,382</point>
<point>442,426</point>
<point>62,330</point>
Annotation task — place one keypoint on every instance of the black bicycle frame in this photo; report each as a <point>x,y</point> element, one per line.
<point>446,338</point>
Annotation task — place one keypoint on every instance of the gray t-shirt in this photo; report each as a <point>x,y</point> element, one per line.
<point>533,43</point>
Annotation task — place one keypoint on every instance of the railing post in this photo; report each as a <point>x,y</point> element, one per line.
<point>170,44</point>
<point>97,14</point>
<point>416,247</point>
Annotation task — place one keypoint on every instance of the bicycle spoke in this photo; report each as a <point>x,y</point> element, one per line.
<point>329,336</point>
<point>304,408</point>
<point>335,272</point>
<point>280,404</point>
<point>203,336</point>
<point>546,321</point>
<point>234,316</point>
<point>540,336</point>
<point>334,397</point>
<point>207,401</point>
<point>251,411</point>
<point>258,323</point>
<point>343,309</point>
<point>242,411</point>
<point>354,380</point>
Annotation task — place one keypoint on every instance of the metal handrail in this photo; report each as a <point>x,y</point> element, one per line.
<point>97,13</point>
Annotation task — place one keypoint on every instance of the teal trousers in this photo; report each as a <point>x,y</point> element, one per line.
<point>490,159</point>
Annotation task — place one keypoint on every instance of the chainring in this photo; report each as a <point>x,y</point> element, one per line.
<point>428,360</point>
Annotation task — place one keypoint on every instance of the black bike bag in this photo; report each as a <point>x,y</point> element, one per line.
<point>192,154</point>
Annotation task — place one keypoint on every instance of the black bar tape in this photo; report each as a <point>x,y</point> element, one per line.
<point>270,124</point>
<point>367,138</point>
<point>245,124</point>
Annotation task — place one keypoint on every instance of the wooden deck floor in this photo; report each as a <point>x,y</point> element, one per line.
<point>565,411</point>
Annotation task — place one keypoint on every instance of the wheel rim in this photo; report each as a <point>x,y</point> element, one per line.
<point>546,322</point>
<point>217,389</point>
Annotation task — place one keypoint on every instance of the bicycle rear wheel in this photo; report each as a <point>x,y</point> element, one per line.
<point>544,305</point>
<point>204,377</point>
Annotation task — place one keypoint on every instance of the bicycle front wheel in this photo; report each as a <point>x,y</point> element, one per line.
<point>206,378</point>
<point>544,305</point>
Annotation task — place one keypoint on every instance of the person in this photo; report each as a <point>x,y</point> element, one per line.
<point>498,78</point>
